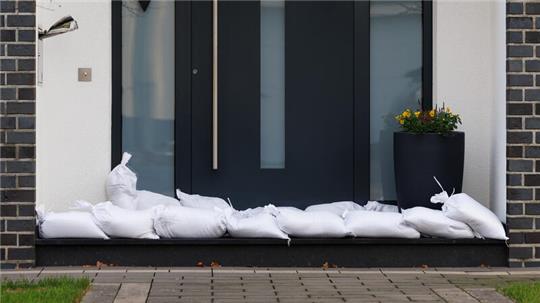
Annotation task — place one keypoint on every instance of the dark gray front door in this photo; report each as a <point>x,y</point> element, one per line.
<point>325,140</point>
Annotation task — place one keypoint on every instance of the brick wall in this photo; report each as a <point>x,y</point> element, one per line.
<point>17,136</point>
<point>523,138</point>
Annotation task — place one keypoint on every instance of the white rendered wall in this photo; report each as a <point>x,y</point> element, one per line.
<point>74,118</point>
<point>469,76</point>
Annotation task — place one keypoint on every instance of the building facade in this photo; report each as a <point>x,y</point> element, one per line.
<point>75,120</point>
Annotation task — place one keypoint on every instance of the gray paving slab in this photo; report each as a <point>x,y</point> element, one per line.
<point>488,295</point>
<point>454,295</point>
<point>18,276</point>
<point>132,293</point>
<point>163,300</point>
<point>101,293</point>
<point>62,270</point>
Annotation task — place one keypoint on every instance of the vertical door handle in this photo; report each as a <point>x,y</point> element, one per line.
<point>215,129</point>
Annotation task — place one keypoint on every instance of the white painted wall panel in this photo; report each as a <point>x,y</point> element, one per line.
<point>469,76</point>
<point>74,118</point>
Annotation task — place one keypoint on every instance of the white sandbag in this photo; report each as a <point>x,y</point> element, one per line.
<point>147,199</point>
<point>121,185</point>
<point>337,208</point>
<point>119,222</point>
<point>257,223</point>
<point>378,224</point>
<point>317,224</point>
<point>274,210</point>
<point>434,223</point>
<point>377,206</point>
<point>198,201</point>
<point>248,212</point>
<point>278,208</point>
<point>69,224</point>
<point>189,222</point>
<point>271,209</point>
<point>463,208</point>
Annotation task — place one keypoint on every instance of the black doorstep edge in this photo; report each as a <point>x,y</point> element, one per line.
<point>348,252</point>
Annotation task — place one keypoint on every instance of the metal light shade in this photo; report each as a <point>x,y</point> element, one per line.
<point>64,25</point>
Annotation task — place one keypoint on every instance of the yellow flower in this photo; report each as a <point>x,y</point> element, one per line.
<point>416,114</point>
<point>401,121</point>
<point>406,114</point>
<point>448,109</point>
<point>432,113</point>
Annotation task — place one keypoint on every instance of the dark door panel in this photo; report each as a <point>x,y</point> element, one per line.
<point>319,104</point>
<point>238,95</point>
<point>319,99</point>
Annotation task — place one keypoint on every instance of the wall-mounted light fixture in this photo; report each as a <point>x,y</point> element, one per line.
<point>63,25</point>
<point>144,4</point>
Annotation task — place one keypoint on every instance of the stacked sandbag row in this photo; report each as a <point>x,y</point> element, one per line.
<point>132,213</point>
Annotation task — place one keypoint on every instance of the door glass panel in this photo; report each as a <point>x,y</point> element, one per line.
<point>396,82</point>
<point>272,84</point>
<point>148,92</point>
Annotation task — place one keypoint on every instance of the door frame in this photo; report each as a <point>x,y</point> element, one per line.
<point>183,75</point>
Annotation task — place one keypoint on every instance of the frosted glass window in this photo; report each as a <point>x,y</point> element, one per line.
<point>148,92</point>
<point>272,84</point>
<point>396,82</point>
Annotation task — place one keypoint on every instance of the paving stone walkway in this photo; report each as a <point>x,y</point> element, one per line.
<point>119,285</point>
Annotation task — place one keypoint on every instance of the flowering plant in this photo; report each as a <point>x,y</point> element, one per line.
<point>437,120</point>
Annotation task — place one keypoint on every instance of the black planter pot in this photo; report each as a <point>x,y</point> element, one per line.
<point>419,157</point>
